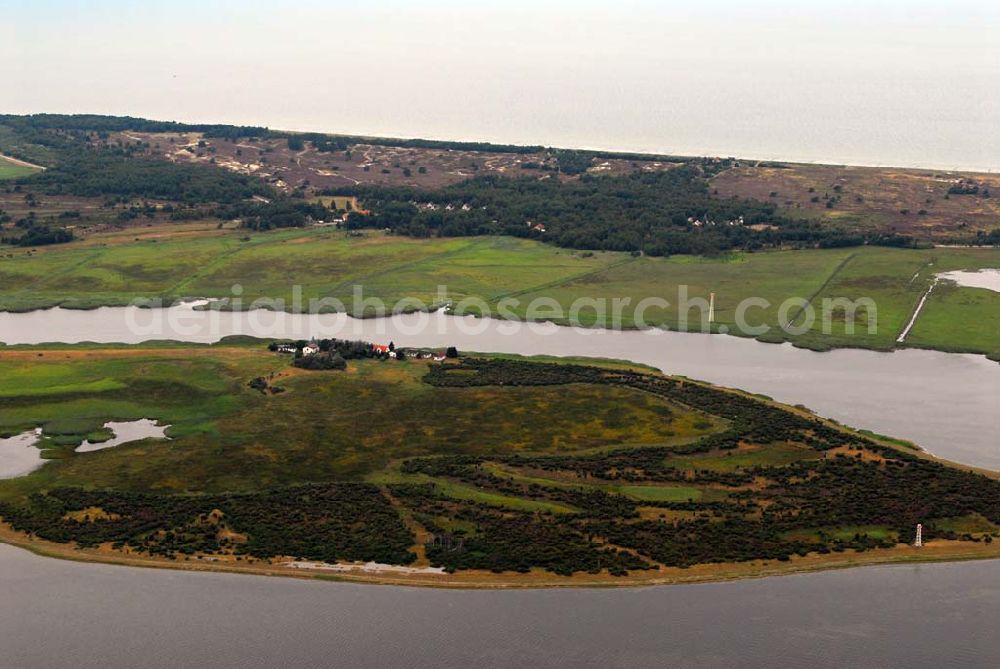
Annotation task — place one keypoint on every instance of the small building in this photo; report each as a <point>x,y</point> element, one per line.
<point>380,349</point>
<point>312,348</point>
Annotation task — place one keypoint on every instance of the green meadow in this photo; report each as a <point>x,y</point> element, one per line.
<point>323,263</point>
<point>225,436</point>
<point>11,170</point>
<point>508,274</point>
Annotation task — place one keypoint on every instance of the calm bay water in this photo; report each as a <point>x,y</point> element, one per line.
<point>57,613</point>
<point>948,403</point>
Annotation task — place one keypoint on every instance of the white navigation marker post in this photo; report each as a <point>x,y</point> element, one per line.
<point>711,307</point>
<point>920,536</point>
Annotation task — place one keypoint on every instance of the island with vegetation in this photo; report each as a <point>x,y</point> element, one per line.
<point>457,469</point>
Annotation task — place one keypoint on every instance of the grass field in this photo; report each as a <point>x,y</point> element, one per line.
<point>642,493</point>
<point>226,436</point>
<point>184,261</point>
<point>202,260</point>
<point>12,170</point>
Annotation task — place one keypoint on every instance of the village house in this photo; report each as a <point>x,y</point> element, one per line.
<point>312,348</point>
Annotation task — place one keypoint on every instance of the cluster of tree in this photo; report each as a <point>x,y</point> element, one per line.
<point>980,238</point>
<point>573,162</point>
<point>348,349</point>
<point>101,124</point>
<point>281,212</point>
<point>656,213</point>
<point>968,189</point>
<point>37,234</point>
<point>324,360</point>
<point>989,239</point>
<point>87,171</point>
<point>320,142</point>
<point>506,540</point>
<point>326,522</point>
<point>334,353</point>
<point>842,240</point>
<point>849,491</point>
<point>263,385</point>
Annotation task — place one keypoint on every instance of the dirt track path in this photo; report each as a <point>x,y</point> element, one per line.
<point>22,163</point>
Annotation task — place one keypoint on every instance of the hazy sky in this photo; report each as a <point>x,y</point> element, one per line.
<point>912,83</point>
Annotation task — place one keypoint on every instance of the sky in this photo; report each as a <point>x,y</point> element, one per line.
<point>876,82</point>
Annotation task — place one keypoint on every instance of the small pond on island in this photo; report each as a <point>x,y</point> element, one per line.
<point>126,431</point>
<point>984,278</point>
<point>19,454</point>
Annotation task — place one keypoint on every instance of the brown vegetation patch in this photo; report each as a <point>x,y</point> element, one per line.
<point>91,514</point>
<point>908,201</point>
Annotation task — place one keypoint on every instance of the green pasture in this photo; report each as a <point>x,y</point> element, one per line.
<point>325,426</point>
<point>521,278</point>
<point>12,170</point>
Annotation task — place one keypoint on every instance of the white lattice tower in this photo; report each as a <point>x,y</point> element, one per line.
<point>920,536</point>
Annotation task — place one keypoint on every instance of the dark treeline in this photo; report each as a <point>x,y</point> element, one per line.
<point>37,234</point>
<point>96,123</point>
<point>656,213</point>
<point>76,166</point>
<point>282,212</point>
<point>333,142</point>
<point>101,124</point>
<point>94,172</point>
<point>506,540</point>
<point>328,522</point>
<point>981,238</point>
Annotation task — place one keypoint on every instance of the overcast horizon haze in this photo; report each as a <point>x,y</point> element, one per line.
<point>867,83</point>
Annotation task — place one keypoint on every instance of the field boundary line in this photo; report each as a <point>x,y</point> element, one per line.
<point>918,305</point>
<point>407,265</point>
<point>22,163</point>
<point>836,270</point>
<point>90,255</point>
<point>564,281</point>
<point>217,261</point>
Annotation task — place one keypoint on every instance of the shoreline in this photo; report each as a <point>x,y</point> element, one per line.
<point>642,154</point>
<point>932,552</point>
<point>423,575</point>
<point>203,305</point>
